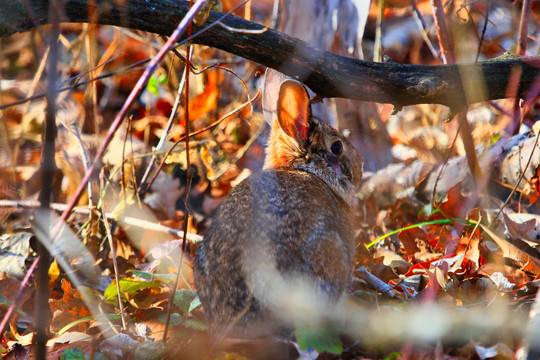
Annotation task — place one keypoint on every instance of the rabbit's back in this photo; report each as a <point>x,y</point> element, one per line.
<point>289,221</point>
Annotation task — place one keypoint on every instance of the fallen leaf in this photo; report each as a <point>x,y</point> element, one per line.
<point>68,309</point>
<point>523,226</point>
<point>500,351</point>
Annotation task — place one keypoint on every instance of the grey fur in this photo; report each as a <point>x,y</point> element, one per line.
<point>296,222</point>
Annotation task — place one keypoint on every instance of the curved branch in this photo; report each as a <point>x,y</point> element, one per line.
<point>327,74</point>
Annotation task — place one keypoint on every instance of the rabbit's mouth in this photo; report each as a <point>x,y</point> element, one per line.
<point>336,165</point>
<point>343,172</point>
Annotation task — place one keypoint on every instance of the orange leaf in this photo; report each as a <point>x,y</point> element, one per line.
<point>68,309</point>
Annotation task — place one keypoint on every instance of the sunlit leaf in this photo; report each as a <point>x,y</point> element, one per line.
<point>127,286</point>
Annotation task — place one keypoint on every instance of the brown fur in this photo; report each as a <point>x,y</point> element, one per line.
<point>292,221</point>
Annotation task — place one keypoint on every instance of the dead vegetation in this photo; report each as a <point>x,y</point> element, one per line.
<point>448,261</point>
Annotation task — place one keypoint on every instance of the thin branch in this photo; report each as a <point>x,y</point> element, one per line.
<point>445,42</point>
<point>143,80</point>
<point>112,245</point>
<point>129,68</point>
<point>484,28</point>
<point>327,74</point>
<point>423,30</point>
<point>524,27</point>
<point>200,131</point>
<point>142,187</point>
<point>189,171</point>
<point>447,51</point>
<point>128,220</point>
<point>48,172</point>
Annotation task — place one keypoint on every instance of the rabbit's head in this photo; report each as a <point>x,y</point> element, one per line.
<point>300,142</point>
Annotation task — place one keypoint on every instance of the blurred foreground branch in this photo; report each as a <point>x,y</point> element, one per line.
<point>327,74</point>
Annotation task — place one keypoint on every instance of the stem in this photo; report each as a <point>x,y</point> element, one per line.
<point>434,222</point>
<point>48,171</point>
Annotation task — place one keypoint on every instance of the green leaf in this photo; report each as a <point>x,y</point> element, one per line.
<point>4,301</point>
<point>154,81</point>
<point>195,324</point>
<point>320,339</point>
<point>150,351</point>
<point>234,135</point>
<point>194,304</point>
<point>99,356</point>
<point>393,356</point>
<point>495,138</point>
<point>143,274</point>
<point>152,86</point>
<point>127,286</point>
<point>183,298</point>
<point>153,276</point>
<point>176,319</point>
<point>162,78</point>
<point>75,353</point>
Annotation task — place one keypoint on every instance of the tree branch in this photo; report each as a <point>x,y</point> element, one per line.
<point>327,74</point>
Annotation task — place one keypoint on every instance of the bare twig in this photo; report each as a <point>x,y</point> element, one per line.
<point>448,55</point>
<point>162,140</point>
<point>377,52</point>
<point>423,30</point>
<point>445,42</point>
<point>132,67</point>
<point>120,117</point>
<point>143,188</point>
<point>484,28</point>
<point>112,245</point>
<point>211,126</point>
<point>188,182</point>
<point>443,166</point>
<point>25,109</point>
<point>468,144</point>
<point>375,282</point>
<point>523,27</point>
<point>128,220</point>
<point>327,74</point>
<point>192,238</point>
<point>48,171</point>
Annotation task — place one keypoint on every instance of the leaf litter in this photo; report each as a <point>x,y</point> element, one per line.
<point>460,286</point>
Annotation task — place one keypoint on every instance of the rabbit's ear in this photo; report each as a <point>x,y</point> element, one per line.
<point>293,110</point>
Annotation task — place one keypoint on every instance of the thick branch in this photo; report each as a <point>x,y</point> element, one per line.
<point>327,74</point>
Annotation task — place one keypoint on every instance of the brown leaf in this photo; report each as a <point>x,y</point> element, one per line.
<point>408,239</point>
<point>523,226</point>
<point>513,252</point>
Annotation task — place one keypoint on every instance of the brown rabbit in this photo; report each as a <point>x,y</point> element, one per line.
<point>287,227</point>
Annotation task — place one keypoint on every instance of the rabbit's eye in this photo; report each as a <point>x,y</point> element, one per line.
<point>337,147</point>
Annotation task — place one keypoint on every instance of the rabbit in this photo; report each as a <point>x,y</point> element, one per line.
<point>288,226</point>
